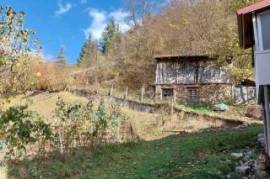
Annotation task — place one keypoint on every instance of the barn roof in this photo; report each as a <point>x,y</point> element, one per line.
<point>254,7</point>
<point>186,57</point>
<point>245,24</point>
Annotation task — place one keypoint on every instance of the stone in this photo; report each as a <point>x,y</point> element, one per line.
<point>262,162</point>
<point>2,145</point>
<point>261,173</point>
<point>260,139</point>
<point>254,111</point>
<point>248,155</point>
<point>261,165</point>
<point>221,107</point>
<point>237,155</point>
<point>242,170</point>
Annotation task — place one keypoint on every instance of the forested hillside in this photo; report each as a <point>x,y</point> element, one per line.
<point>197,27</point>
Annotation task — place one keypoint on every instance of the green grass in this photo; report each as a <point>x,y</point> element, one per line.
<point>200,155</point>
<point>201,107</point>
<point>228,115</point>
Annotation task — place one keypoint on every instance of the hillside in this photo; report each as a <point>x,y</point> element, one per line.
<point>199,155</point>
<point>146,126</point>
<point>132,89</point>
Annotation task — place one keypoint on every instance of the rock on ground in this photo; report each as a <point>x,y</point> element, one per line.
<point>237,155</point>
<point>243,170</point>
<point>260,139</point>
<point>261,165</point>
<point>254,111</point>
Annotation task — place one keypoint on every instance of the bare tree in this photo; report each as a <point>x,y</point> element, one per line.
<point>139,9</point>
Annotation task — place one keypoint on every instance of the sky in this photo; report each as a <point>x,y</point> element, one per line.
<point>67,23</point>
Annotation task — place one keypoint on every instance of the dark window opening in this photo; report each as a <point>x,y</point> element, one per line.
<point>194,96</point>
<point>167,92</point>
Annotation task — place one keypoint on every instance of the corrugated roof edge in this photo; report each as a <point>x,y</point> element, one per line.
<point>254,7</point>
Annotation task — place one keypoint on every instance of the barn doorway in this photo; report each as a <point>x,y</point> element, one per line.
<point>193,95</point>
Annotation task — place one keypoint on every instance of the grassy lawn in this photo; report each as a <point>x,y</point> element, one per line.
<point>199,155</point>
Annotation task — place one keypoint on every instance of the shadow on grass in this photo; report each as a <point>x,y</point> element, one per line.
<point>200,155</point>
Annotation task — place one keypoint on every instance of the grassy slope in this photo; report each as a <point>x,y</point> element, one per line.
<point>153,126</point>
<point>44,103</point>
<point>204,155</point>
<point>232,114</point>
<point>148,126</point>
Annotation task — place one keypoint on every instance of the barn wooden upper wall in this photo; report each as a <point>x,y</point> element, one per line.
<point>189,71</point>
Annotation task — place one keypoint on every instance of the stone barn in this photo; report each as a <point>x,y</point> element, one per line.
<point>191,79</point>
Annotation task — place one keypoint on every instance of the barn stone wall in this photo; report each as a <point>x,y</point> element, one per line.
<point>216,92</point>
<point>210,93</point>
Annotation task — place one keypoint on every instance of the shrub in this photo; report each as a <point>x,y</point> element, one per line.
<point>76,125</point>
<point>52,76</point>
<point>84,125</point>
<point>71,119</point>
<point>18,77</point>
<point>21,127</point>
<point>229,101</point>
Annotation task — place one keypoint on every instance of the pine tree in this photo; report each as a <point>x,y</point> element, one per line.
<point>82,54</point>
<point>89,52</point>
<point>61,58</point>
<point>111,31</point>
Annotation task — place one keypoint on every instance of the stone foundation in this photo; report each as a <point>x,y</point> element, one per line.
<point>210,93</point>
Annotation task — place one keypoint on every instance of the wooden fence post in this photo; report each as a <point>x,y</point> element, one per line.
<point>172,108</point>
<point>61,143</point>
<point>111,91</point>
<point>267,117</point>
<point>97,85</point>
<point>118,130</point>
<point>126,93</point>
<point>142,93</point>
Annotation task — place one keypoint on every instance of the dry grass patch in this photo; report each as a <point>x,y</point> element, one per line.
<point>152,126</point>
<point>45,102</point>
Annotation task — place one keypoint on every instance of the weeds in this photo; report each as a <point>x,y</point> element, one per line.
<point>202,107</point>
<point>75,125</point>
<point>20,128</point>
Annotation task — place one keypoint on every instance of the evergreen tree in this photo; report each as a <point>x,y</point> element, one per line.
<point>89,52</point>
<point>111,31</point>
<point>61,58</point>
<point>82,54</point>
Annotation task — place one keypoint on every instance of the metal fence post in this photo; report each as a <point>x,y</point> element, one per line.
<point>267,117</point>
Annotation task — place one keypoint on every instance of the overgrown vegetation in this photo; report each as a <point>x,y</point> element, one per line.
<point>75,125</point>
<point>20,127</point>
<point>201,155</point>
<point>86,125</point>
